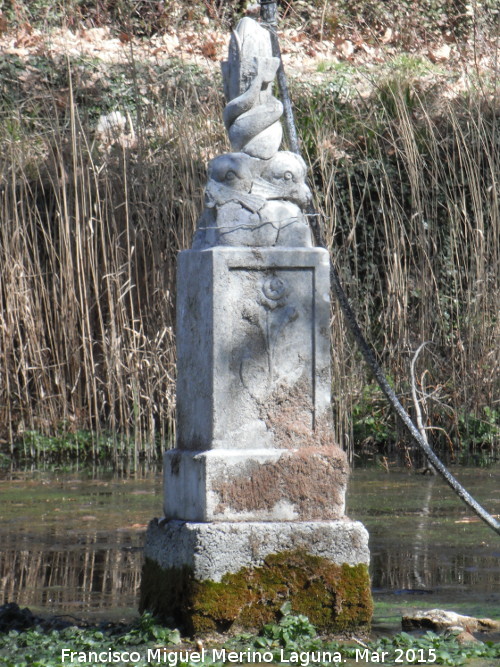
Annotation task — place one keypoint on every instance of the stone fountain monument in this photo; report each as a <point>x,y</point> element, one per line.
<point>254,493</point>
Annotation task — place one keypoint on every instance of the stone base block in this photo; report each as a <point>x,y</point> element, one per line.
<point>211,577</point>
<point>307,484</point>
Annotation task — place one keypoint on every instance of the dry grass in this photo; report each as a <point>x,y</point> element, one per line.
<point>91,225</point>
<point>90,231</point>
<point>413,221</point>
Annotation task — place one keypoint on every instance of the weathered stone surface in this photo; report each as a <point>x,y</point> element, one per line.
<point>211,550</point>
<point>255,485</point>
<point>256,203</point>
<point>253,348</point>
<point>440,619</point>
<point>255,490</point>
<point>336,598</point>
<point>283,177</point>
<point>252,112</point>
<point>256,195</point>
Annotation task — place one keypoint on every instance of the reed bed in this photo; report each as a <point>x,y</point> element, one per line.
<point>91,223</point>
<point>407,183</point>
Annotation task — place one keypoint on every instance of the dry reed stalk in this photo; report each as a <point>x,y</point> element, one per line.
<point>416,214</point>
<point>90,234</point>
<point>88,247</point>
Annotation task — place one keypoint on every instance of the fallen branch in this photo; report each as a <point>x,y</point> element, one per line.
<point>370,359</point>
<point>416,401</point>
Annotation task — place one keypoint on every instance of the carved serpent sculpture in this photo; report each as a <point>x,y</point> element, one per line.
<point>252,113</point>
<point>252,118</point>
<point>255,196</point>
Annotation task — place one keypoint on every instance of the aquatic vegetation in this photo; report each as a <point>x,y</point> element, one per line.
<point>292,641</point>
<point>336,597</point>
<point>38,647</point>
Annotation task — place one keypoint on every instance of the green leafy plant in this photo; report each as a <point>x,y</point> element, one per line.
<point>373,423</point>
<point>42,648</point>
<point>290,632</point>
<point>480,432</point>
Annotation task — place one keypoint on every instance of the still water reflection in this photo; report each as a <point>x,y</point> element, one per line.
<point>427,548</point>
<point>71,543</point>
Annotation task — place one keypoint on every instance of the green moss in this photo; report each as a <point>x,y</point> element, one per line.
<point>334,597</point>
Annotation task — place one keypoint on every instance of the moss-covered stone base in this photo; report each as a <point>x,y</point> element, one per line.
<point>334,597</point>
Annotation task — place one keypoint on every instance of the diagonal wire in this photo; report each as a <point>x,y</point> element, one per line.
<point>269,17</point>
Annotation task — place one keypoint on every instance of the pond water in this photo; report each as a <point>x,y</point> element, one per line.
<point>428,549</point>
<point>71,542</point>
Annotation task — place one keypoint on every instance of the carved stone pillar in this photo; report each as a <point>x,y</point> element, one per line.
<point>254,492</point>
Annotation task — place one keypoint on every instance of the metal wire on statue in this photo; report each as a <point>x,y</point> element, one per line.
<point>268,13</point>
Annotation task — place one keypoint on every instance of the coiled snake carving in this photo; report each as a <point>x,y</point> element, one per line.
<point>255,196</point>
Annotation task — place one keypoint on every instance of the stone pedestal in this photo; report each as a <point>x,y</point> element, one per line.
<point>255,490</point>
<point>214,576</point>
<point>253,348</point>
<point>254,493</point>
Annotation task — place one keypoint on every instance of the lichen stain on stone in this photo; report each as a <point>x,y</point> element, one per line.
<point>312,479</point>
<point>335,598</point>
<point>289,414</point>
